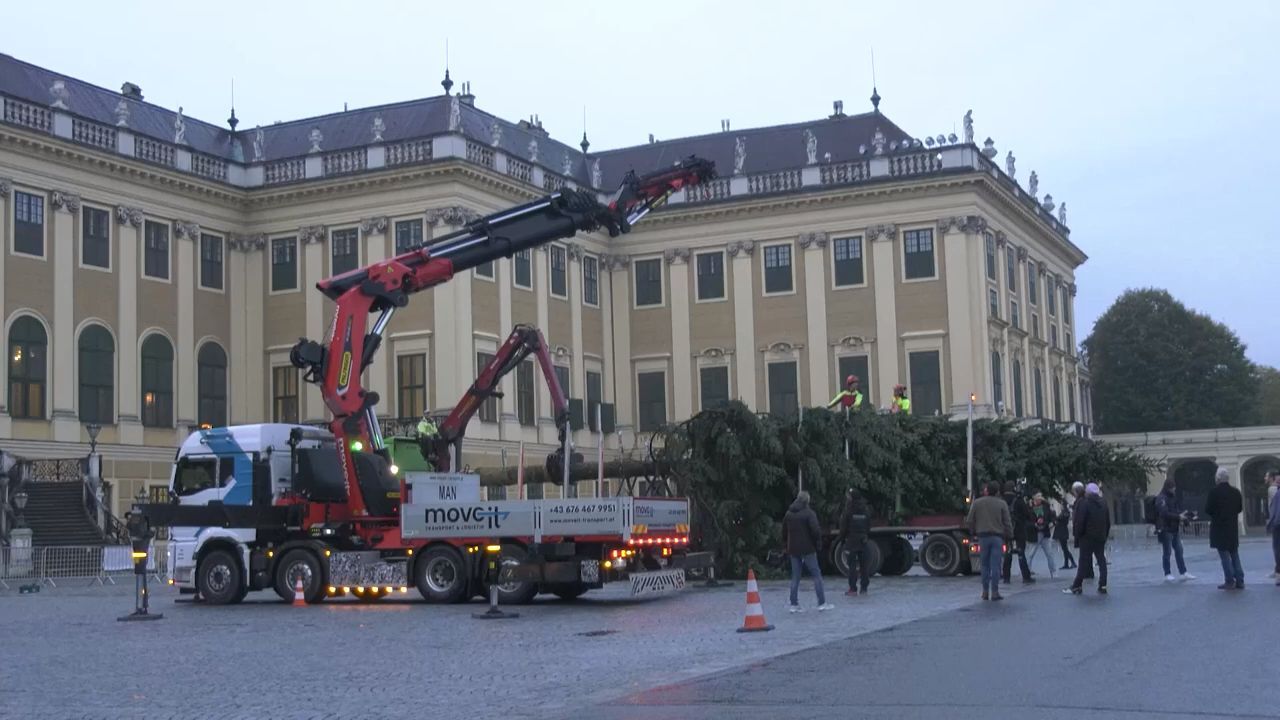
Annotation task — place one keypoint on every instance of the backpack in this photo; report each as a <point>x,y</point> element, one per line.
<point>1150,514</point>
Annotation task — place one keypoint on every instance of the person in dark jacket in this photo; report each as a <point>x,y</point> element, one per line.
<point>1092,526</point>
<point>803,536</point>
<point>1169,517</point>
<point>1040,532</point>
<point>1022,520</point>
<point>1223,506</point>
<point>1062,533</point>
<point>855,524</point>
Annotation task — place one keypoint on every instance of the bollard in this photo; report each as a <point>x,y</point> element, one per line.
<point>711,578</point>
<point>140,533</point>
<point>493,553</point>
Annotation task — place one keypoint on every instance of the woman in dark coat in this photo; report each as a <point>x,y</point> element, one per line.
<point>1223,507</point>
<point>855,525</point>
<point>1062,533</point>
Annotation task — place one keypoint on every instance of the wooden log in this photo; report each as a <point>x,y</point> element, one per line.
<point>491,476</point>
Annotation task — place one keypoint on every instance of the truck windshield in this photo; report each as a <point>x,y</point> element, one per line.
<point>194,475</point>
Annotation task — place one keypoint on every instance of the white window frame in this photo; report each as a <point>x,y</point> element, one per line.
<point>359,249</point>
<point>142,257</point>
<point>111,242</point>
<point>724,273</point>
<point>926,342</point>
<point>993,301</point>
<point>11,202</point>
<point>297,264</point>
<point>226,255</point>
<point>411,344</point>
<point>596,260</point>
<point>1015,314</point>
<point>723,361</point>
<point>391,231</point>
<point>649,365</point>
<point>933,234</point>
<point>764,288</point>
<point>864,383</point>
<point>533,271</point>
<point>551,250</point>
<point>862,244</point>
<point>662,283</point>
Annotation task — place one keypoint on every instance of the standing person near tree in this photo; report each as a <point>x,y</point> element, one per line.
<point>1042,528</point>
<point>1223,506</point>
<point>1062,533</point>
<point>1169,517</point>
<point>1273,518</point>
<point>990,522</point>
<point>1022,520</point>
<point>1092,523</point>
<point>802,536</point>
<point>855,525</point>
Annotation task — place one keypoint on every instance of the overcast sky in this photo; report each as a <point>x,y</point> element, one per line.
<point>1152,120</point>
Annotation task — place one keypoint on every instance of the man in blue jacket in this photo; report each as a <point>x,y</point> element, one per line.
<point>1169,517</point>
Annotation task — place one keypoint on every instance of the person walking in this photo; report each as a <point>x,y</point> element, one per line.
<point>1223,507</point>
<point>1041,531</point>
<point>1022,518</point>
<point>1273,519</point>
<point>1092,526</point>
<point>802,536</point>
<point>989,521</point>
<point>1062,533</point>
<point>1169,517</point>
<point>855,525</point>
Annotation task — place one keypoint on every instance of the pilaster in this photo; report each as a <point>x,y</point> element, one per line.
<point>509,423</point>
<point>883,245</point>
<point>966,303</point>
<point>681,354</point>
<point>373,231</point>
<point>744,321</point>
<point>6,187</point>
<point>186,235</point>
<point>312,239</point>
<point>813,246</point>
<point>128,231</point>
<point>66,210</point>
<point>577,373</point>
<point>607,388</point>
<point>541,289</point>
<point>242,366</point>
<point>623,384</point>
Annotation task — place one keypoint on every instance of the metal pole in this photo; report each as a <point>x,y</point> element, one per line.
<point>969,451</point>
<point>520,474</point>
<point>599,454</point>
<point>564,470</point>
<point>799,468</point>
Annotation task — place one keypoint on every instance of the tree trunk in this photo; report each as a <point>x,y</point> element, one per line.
<point>586,471</point>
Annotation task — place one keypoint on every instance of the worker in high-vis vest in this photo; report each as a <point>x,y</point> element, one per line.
<point>427,433</point>
<point>900,403</point>
<point>850,397</point>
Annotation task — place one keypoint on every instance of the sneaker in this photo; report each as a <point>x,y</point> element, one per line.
<point>1186,576</point>
<point>1102,589</point>
<point>851,593</point>
<point>997,596</point>
<point>826,606</point>
<point>1169,578</point>
<point>795,609</point>
<point>1239,586</point>
<point>985,596</point>
<point>1072,591</point>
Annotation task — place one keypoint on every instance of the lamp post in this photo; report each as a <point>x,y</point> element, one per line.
<point>968,477</point>
<point>93,429</point>
<point>20,502</point>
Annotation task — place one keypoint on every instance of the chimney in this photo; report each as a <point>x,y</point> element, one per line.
<point>466,97</point>
<point>650,138</point>
<point>131,91</point>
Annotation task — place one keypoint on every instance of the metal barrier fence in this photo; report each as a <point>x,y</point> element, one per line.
<point>97,565</point>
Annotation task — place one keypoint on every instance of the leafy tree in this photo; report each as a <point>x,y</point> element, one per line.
<point>1157,365</point>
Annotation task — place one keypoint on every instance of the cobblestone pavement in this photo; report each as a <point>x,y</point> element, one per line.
<point>66,656</point>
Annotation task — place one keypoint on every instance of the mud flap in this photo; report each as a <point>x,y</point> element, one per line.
<point>657,582</point>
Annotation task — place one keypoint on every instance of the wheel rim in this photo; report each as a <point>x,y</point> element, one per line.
<point>296,571</point>
<point>512,586</point>
<point>441,575</point>
<point>939,555</point>
<point>218,578</point>
<point>842,560</point>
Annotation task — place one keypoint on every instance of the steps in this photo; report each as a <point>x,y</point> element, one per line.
<point>55,513</point>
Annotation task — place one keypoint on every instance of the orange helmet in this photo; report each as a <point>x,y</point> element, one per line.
<point>851,380</point>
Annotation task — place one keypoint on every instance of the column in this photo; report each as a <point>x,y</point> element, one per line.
<point>312,239</point>
<point>966,328</point>
<point>744,321</point>
<point>373,231</point>
<point>238,367</point>
<point>541,289</point>
<point>681,353</point>
<point>186,235</point>
<point>813,247</point>
<point>257,380</point>
<point>885,280</point>
<point>129,223</point>
<point>509,422</point>
<point>623,385</point>
<point>607,383</point>
<point>577,373</point>
<point>66,210</point>
<point>6,186</point>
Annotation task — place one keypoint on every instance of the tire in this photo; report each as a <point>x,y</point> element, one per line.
<point>568,592</point>
<point>899,558</point>
<point>299,563</point>
<point>874,556</point>
<point>441,575</point>
<point>840,558</point>
<point>218,578</point>
<point>518,592</point>
<point>940,555</point>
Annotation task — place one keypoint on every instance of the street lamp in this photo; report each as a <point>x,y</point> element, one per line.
<point>973,397</point>
<point>20,502</point>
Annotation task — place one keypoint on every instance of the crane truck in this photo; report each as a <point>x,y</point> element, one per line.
<point>278,506</point>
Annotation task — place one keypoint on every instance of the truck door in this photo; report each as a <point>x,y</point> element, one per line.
<point>196,480</point>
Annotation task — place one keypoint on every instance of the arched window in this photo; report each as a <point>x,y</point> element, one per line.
<point>28,345</point>
<point>157,382</point>
<point>997,382</point>
<point>212,385</point>
<point>97,376</point>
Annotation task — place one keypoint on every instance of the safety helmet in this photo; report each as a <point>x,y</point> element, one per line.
<point>851,380</point>
<point>899,388</point>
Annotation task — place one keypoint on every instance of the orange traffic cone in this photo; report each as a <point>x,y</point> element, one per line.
<point>754,621</point>
<point>299,598</point>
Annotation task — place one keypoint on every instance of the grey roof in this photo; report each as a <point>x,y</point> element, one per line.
<point>767,149</point>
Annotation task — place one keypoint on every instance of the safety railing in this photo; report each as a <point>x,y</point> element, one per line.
<point>88,564</point>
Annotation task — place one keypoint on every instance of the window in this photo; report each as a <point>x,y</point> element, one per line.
<point>559,272</point>
<point>590,280</point>
<point>524,393</point>
<point>1011,268</point>
<point>1035,326</point>
<point>918,265</point>
<point>1038,391</point>
<point>1053,335</point>
<point>849,269</point>
<point>523,262</point>
<point>651,388</point>
<point>710,267</point>
<point>1057,398</point>
<point>284,265</point>
<point>1066,305</point>
<point>1033,289</point>
<point>777,269</point>
<point>713,386</point>
<point>562,377</point>
<point>1017,388</point>
<point>595,393</point>
<point>993,303</point>
<point>1071,401</point>
<point>784,398</point>
<point>926,382</point>
<point>860,366</point>
<point>28,348</point>
<point>211,379</point>
<point>344,246</point>
<point>195,474</point>
<point>1015,317</point>
<point>411,384</point>
<point>997,382</point>
<point>157,382</point>
<point>28,223</point>
<point>485,270</point>
<point>97,376</point>
<point>155,257</point>
<point>991,257</point>
<point>1051,296</point>
<point>408,235</point>
<point>1067,347</point>
<point>489,406</point>
<point>95,237</point>
<point>210,262</point>
<point>284,394</point>
<point>648,274</point>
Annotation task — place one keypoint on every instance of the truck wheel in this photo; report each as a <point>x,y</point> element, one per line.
<point>516,592</point>
<point>569,591</point>
<point>940,555</point>
<point>874,554</point>
<point>218,578</point>
<point>898,556</point>
<point>441,575</point>
<point>840,558</point>
<point>295,564</point>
